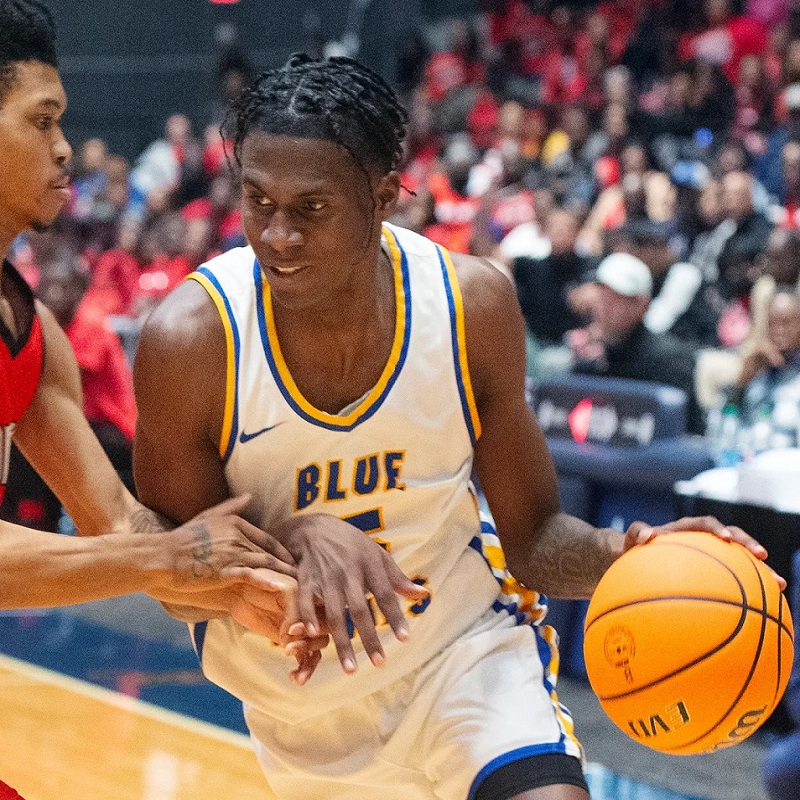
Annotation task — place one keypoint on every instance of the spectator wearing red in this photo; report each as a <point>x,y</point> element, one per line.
<point>108,397</point>
<point>564,78</point>
<point>457,67</point>
<point>115,277</point>
<point>513,27</point>
<point>725,40</point>
<point>454,209</point>
<point>622,18</point>
<point>220,212</point>
<point>166,264</point>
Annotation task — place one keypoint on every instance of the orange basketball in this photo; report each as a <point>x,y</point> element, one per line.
<point>688,643</point>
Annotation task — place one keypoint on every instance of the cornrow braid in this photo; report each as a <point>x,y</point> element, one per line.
<point>27,33</point>
<point>336,99</point>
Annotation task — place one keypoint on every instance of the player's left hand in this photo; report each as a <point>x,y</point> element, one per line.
<point>339,567</point>
<point>641,533</point>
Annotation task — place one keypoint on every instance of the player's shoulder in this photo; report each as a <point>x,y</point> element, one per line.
<point>238,260</point>
<point>484,287</point>
<point>189,311</point>
<point>478,279</point>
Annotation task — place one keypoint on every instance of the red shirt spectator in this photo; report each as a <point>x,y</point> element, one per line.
<point>443,73</point>
<point>162,275</point>
<point>115,283</point>
<point>105,371</point>
<point>533,33</point>
<point>454,215</point>
<point>725,44</point>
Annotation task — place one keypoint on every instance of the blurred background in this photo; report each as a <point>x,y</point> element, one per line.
<point>570,143</point>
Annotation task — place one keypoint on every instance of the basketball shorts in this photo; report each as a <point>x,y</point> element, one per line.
<point>485,704</point>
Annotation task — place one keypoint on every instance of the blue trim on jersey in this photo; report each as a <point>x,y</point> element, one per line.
<point>199,638</point>
<point>236,350</point>
<point>258,277</point>
<point>511,756</point>
<point>462,393</point>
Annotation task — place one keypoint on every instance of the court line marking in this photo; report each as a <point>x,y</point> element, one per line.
<point>124,702</point>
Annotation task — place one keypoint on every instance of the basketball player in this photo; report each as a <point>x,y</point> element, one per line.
<point>343,366</point>
<point>213,560</point>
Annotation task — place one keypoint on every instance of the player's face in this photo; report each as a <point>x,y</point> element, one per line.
<point>33,151</point>
<point>312,216</point>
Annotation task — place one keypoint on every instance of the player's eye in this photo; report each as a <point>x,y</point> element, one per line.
<point>44,123</point>
<point>315,205</point>
<point>263,202</point>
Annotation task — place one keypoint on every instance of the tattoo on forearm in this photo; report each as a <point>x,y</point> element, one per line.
<point>571,557</point>
<point>201,554</point>
<point>145,520</point>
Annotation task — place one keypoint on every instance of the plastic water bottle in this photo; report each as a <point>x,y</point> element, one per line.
<point>763,431</point>
<point>728,438</point>
<point>786,418</point>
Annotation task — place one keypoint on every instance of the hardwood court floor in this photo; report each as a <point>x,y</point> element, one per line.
<point>106,702</point>
<point>64,739</point>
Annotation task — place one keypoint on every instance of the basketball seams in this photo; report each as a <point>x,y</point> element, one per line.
<point>696,550</point>
<point>749,677</point>
<point>695,599</point>
<point>688,664</point>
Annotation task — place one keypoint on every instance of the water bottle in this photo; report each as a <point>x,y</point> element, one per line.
<point>762,431</point>
<point>728,438</point>
<point>786,418</point>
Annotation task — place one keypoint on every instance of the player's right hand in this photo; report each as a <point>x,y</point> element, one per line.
<point>219,548</point>
<point>340,565</point>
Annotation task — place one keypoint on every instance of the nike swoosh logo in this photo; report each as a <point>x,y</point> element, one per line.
<point>246,437</point>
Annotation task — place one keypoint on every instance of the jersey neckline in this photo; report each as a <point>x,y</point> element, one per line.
<point>373,399</point>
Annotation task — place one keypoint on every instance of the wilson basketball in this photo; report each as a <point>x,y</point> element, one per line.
<point>688,643</point>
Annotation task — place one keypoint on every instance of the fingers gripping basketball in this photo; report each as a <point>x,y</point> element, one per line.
<point>688,643</point>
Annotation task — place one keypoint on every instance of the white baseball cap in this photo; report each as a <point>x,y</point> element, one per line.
<point>626,275</point>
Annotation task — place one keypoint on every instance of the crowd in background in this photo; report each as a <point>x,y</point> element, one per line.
<point>543,137</point>
<point>632,167</point>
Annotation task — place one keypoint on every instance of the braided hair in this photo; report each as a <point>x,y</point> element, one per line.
<point>27,33</point>
<point>336,99</point>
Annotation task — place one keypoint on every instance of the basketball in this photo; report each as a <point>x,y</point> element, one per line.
<point>688,643</point>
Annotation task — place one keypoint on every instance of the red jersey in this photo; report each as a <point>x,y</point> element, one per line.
<point>21,361</point>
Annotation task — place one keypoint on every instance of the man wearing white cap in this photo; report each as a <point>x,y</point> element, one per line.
<point>618,344</point>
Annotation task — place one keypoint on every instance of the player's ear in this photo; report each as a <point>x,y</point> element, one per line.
<point>386,194</point>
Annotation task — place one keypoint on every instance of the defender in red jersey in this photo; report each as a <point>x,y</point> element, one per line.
<point>20,365</point>
<point>218,559</point>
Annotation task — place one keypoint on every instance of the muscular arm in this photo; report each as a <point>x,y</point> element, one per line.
<point>55,437</point>
<point>215,551</point>
<point>179,380</point>
<point>46,569</point>
<point>547,550</point>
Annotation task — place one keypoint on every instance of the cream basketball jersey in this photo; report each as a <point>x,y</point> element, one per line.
<point>396,463</point>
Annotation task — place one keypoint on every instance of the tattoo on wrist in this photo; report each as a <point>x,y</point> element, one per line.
<point>201,554</point>
<point>145,520</point>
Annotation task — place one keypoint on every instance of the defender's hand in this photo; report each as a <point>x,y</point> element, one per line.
<point>218,548</point>
<point>341,566</point>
